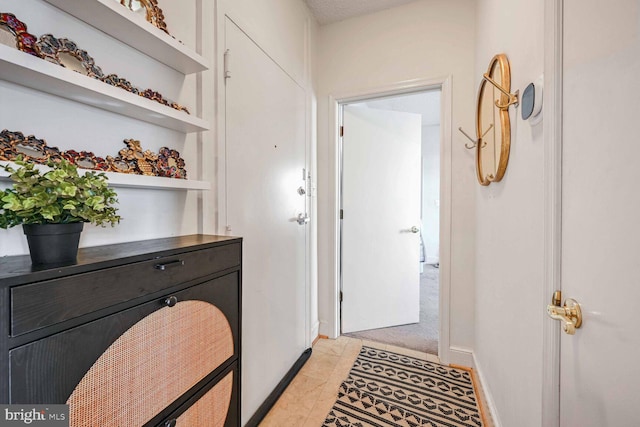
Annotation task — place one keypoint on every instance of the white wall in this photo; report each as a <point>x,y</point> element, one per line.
<point>279,27</point>
<point>422,40</point>
<point>70,125</point>
<point>509,221</point>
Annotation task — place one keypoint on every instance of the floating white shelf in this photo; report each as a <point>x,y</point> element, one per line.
<point>27,70</point>
<point>133,181</point>
<point>132,29</point>
<point>141,181</point>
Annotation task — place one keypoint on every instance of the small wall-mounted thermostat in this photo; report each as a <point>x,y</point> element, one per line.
<point>531,101</point>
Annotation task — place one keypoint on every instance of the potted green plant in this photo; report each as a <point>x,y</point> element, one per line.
<point>53,206</point>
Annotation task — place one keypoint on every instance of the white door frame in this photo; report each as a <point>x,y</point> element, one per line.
<point>552,130</point>
<point>400,88</point>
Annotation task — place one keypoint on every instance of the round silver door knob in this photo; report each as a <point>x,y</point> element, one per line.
<point>415,229</point>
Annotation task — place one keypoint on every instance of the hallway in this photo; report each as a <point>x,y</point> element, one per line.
<point>311,394</point>
<point>422,336</point>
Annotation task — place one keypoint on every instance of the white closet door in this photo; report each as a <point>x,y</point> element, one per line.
<point>265,149</point>
<point>600,373</point>
<point>380,230</point>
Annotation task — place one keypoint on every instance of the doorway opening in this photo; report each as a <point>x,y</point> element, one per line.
<point>390,191</point>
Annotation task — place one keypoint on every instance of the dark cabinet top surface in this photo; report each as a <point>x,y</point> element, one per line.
<point>16,270</point>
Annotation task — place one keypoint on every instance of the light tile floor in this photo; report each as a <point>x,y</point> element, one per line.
<point>311,394</point>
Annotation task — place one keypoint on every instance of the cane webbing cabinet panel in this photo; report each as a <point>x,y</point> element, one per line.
<point>211,409</point>
<point>138,334</point>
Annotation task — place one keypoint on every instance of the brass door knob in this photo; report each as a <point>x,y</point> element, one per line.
<point>569,314</point>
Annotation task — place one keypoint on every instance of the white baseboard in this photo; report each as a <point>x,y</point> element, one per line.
<point>315,331</point>
<point>461,356</point>
<point>491,406</point>
<point>325,329</point>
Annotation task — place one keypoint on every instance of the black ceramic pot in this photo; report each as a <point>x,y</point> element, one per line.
<point>53,243</point>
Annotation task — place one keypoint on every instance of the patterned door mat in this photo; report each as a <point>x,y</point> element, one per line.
<point>392,390</point>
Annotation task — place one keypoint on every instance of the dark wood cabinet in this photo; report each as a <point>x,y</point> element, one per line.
<point>156,321</point>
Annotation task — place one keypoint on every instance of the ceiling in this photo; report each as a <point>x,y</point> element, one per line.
<point>328,11</point>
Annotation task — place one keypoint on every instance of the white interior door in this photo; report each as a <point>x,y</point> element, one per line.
<point>265,157</point>
<point>380,255</point>
<point>600,373</point>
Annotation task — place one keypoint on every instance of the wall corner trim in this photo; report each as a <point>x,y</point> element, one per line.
<point>325,329</point>
<point>315,330</point>
<point>486,392</point>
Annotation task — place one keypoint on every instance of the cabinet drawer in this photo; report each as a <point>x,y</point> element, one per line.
<point>43,304</point>
<point>176,341</point>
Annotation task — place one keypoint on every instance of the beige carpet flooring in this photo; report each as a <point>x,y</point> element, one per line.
<point>422,336</point>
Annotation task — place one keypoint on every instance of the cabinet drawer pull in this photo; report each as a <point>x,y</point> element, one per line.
<point>170,423</point>
<point>171,301</point>
<point>163,267</point>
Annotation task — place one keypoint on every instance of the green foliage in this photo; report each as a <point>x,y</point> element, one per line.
<point>59,196</point>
